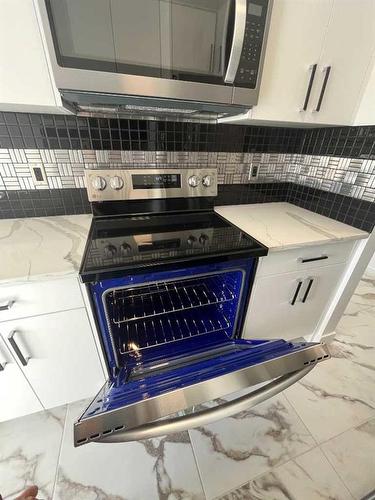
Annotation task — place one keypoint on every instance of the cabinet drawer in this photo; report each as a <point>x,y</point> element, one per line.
<point>31,299</point>
<point>310,257</point>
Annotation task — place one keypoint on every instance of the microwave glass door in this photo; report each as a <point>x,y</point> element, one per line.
<point>177,39</point>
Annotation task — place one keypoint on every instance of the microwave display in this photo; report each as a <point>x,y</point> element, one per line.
<point>155,181</point>
<point>255,10</point>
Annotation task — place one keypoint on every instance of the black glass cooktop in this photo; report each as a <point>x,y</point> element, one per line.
<point>132,243</point>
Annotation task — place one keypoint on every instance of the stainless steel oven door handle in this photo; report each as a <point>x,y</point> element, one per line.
<point>237,42</point>
<point>179,424</point>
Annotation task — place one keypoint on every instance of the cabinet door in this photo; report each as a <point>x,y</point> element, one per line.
<point>348,50</point>
<point>16,396</point>
<point>24,75</point>
<point>271,313</point>
<point>62,360</point>
<point>295,43</point>
<point>193,38</point>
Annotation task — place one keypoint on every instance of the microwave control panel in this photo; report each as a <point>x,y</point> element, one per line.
<point>248,68</point>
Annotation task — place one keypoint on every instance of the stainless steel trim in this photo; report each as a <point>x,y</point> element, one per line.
<point>17,350</point>
<point>152,409</point>
<point>128,193</point>
<point>238,39</point>
<point>7,306</point>
<point>207,416</point>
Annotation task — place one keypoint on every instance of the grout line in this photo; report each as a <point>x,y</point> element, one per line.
<point>337,472</point>
<point>60,451</point>
<point>197,466</point>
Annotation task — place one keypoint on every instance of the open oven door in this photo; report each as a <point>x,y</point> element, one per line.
<point>156,393</point>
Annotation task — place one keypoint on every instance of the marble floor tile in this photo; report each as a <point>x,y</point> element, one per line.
<point>233,450</point>
<point>162,468</point>
<point>352,454</point>
<point>29,450</point>
<point>339,393</point>
<point>364,295</point>
<point>308,477</point>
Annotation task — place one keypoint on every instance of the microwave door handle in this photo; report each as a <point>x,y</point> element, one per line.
<point>227,409</point>
<point>238,39</point>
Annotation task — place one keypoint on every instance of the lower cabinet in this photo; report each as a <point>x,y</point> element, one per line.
<point>57,355</point>
<point>16,395</point>
<point>290,305</point>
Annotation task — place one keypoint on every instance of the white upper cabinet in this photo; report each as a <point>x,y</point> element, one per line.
<point>347,54</point>
<point>338,37</point>
<point>25,82</point>
<point>366,110</point>
<point>294,45</point>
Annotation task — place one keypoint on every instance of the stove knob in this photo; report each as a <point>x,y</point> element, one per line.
<point>191,240</point>
<point>110,251</point>
<point>116,182</point>
<point>207,181</point>
<point>98,183</point>
<point>193,181</point>
<point>125,249</point>
<point>203,239</point>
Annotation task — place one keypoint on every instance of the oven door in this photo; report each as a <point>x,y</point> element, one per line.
<point>164,393</point>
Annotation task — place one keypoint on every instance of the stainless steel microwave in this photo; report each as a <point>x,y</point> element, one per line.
<point>189,54</point>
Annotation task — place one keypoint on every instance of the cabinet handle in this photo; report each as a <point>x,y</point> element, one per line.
<point>327,71</point>
<point>7,306</point>
<point>293,301</point>
<point>309,86</point>
<point>304,298</point>
<point>2,366</point>
<point>312,259</point>
<point>211,58</point>
<point>16,349</point>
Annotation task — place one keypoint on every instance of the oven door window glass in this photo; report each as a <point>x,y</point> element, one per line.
<point>178,39</point>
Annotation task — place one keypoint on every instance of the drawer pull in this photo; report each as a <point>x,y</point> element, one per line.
<point>312,259</point>
<point>304,298</point>
<point>293,301</point>
<point>2,366</point>
<point>16,349</point>
<point>7,306</point>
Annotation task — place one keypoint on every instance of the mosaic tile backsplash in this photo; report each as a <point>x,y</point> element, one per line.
<point>330,171</point>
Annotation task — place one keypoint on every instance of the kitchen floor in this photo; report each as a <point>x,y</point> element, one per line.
<point>314,441</point>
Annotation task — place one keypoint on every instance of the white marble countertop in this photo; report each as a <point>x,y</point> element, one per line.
<point>34,249</point>
<point>282,225</point>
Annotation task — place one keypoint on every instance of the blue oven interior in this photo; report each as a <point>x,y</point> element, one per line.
<point>145,316</point>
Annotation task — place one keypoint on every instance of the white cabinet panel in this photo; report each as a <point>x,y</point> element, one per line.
<point>308,257</point>
<point>16,396</point>
<point>271,314</point>
<point>31,299</point>
<point>24,75</point>
<point>295,42</point>
<point>348,49</point>
<point>64,364</point>
<point>366,111</point>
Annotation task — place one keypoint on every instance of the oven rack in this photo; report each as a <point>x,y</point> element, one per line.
<point>152,332</point>
<point>128,305</point>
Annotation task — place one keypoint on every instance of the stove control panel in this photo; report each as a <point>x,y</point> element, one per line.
<point>142,184</point>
